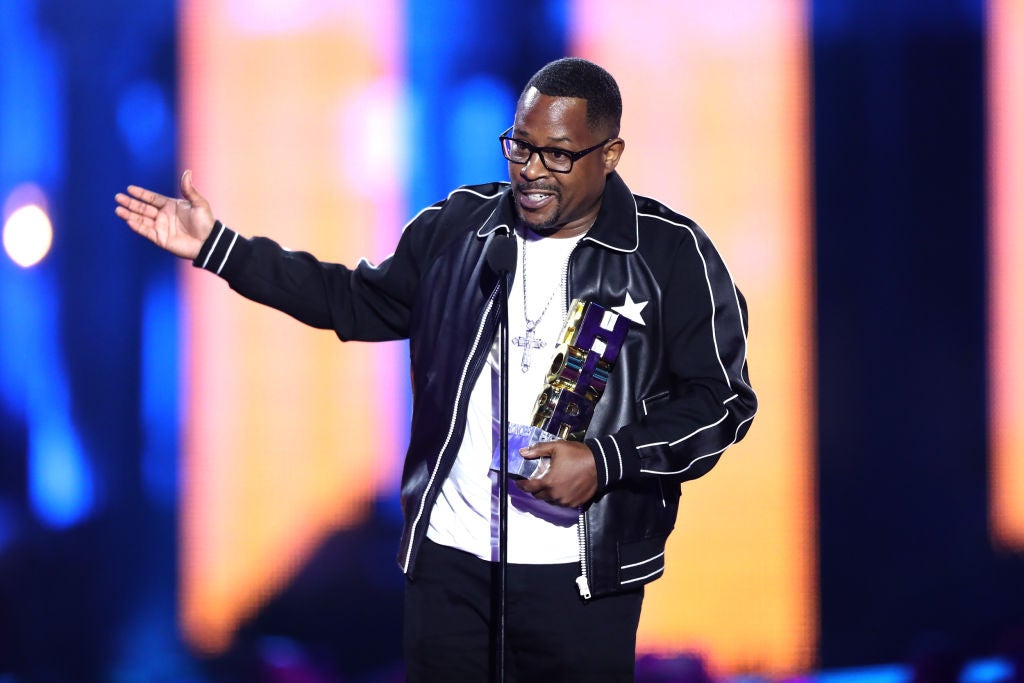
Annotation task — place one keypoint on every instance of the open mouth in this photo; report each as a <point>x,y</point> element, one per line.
<point>533,201</point>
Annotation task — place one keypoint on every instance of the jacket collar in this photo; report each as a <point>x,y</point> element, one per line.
<point>616,227</point>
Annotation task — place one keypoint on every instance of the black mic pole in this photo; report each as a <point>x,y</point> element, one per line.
<point>501,256</point>
<point>503,477</point>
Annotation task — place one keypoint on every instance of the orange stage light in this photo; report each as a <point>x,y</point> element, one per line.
<point>288,433</point>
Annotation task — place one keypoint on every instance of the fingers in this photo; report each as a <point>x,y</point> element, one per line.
<point>134,206</point>
<point>148,196</point>
<point>549,493</point>
<point>532,486</point>
<point>540,489</point>
<point>137,220</point>
<point>142,217</point>
<point>538,450</point>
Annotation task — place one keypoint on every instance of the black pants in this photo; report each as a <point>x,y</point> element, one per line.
<point>551,633</point>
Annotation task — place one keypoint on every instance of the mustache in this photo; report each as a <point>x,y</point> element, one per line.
<point>536,187</point>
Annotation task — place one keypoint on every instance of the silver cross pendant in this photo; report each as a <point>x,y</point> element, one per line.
<point>527,343</point>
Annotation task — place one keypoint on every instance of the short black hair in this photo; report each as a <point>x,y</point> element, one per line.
<point>575,77</point>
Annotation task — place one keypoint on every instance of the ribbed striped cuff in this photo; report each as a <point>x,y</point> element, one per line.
<point>615,458</point>
<point>217,250</point>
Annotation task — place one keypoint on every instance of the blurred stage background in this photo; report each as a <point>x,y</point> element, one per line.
<point>193,488</point>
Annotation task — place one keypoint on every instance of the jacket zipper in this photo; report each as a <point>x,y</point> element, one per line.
<point>581,581</point>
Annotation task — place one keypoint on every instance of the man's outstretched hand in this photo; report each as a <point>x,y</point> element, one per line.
<point>571,478</point>
<point>178,225</point>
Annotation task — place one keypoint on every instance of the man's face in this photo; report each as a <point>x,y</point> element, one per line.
<point>559,204</point>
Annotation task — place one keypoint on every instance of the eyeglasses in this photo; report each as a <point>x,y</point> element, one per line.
<point>554,159</point>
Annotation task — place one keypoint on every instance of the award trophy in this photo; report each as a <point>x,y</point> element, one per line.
<point>584,357</point>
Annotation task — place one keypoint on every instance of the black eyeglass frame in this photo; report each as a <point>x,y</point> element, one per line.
<point>573,156</point>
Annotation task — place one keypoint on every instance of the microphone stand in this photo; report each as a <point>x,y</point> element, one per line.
<point>501,257</point>
<point>503,472</point>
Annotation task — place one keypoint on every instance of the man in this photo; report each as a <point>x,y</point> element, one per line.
<point>586,536</point>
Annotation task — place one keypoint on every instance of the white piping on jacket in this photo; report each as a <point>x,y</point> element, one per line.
<point>641,578</point>
<point>226,254</point>
<point>735,436</point>
<point>214,246</point>
<point>649,559</point>
<point>448,438</point>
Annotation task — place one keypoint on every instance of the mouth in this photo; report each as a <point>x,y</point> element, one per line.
<point>534,199</point>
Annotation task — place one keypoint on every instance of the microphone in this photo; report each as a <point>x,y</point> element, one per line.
<point>501,254</point>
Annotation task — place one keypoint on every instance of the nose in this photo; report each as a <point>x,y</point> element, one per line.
<point>531,170</point>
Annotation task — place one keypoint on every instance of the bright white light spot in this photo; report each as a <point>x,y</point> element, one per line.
<point>28,235</point>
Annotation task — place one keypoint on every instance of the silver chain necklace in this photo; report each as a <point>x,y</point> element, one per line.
<point>530,340</point>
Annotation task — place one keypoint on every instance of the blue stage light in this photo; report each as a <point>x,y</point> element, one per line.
<point>60,481</point>
<point>158,403</point>
<point>144,119</point>
<point>34,386</point>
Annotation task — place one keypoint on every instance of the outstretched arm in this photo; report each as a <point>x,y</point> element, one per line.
<point>178,225</point>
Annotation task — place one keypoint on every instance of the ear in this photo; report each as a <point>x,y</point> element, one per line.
<point>612,154</point>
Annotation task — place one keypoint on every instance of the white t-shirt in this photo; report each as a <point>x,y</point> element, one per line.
<point>465,515</point>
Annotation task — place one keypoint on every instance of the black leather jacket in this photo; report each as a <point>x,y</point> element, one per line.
<point>679,394</point>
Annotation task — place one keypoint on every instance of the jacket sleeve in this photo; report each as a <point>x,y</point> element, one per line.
<point>365,303</point>
<point>709,403</point>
